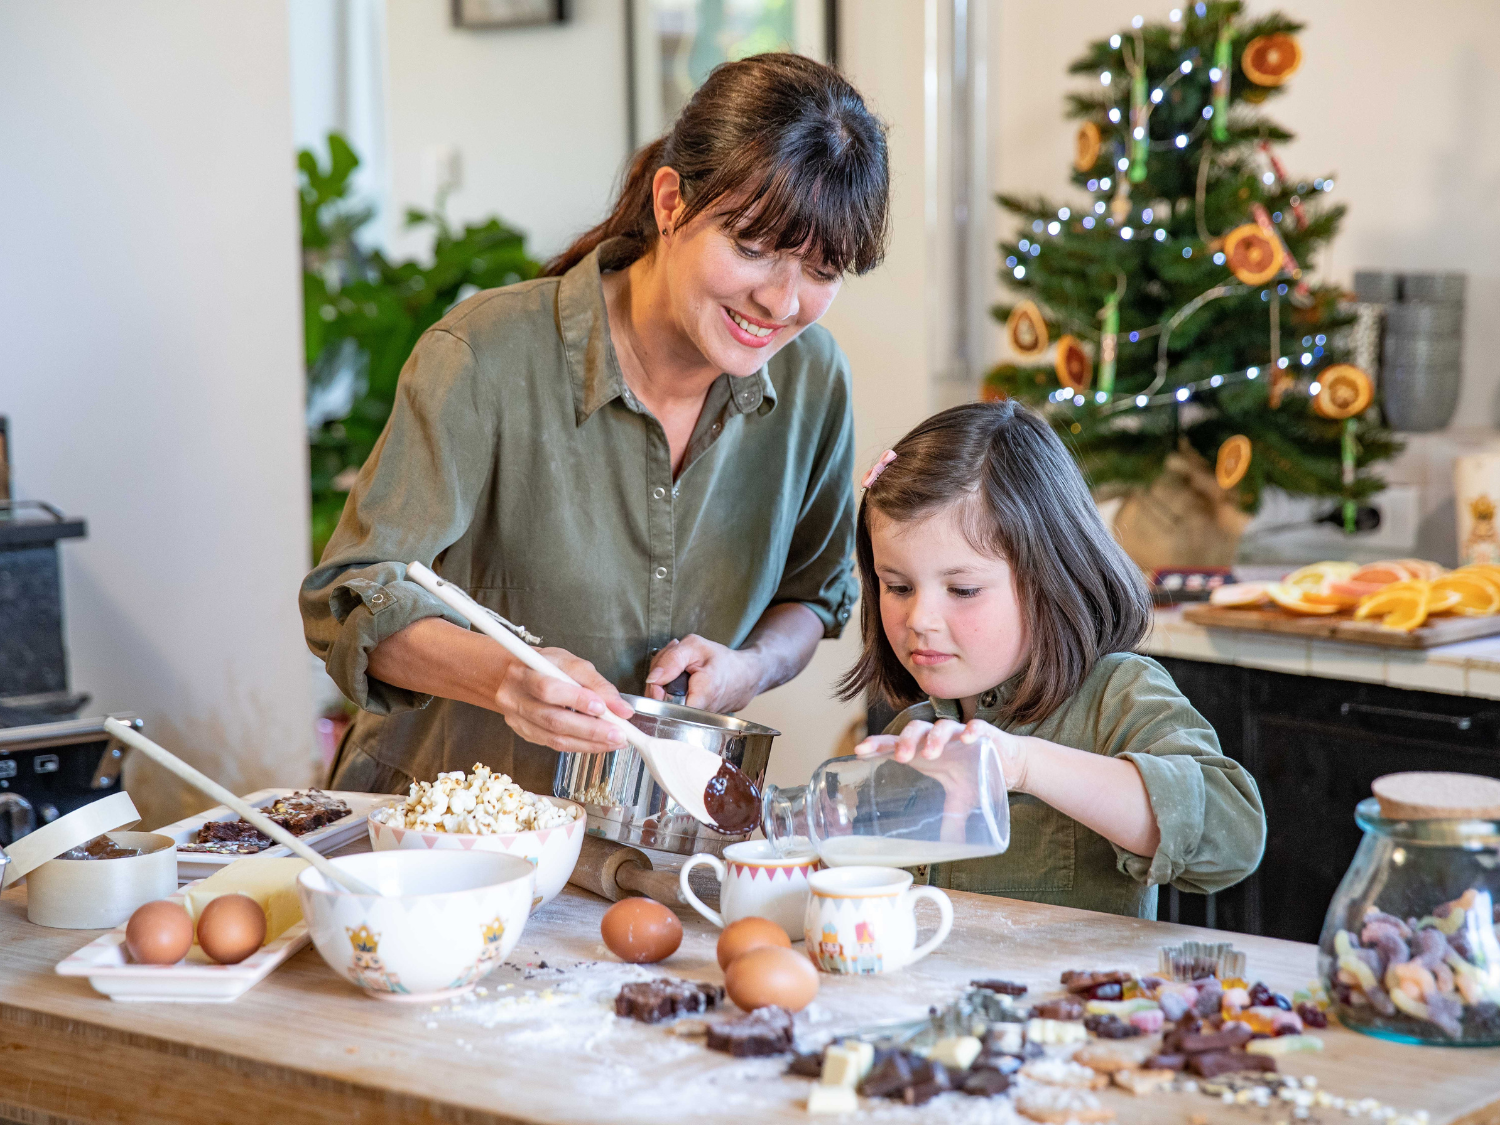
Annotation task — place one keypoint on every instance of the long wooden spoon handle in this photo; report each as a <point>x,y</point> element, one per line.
<point>208,786</point>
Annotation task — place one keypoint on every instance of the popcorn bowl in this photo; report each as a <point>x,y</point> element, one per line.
<point>442,920</point>
<point>552,851</point>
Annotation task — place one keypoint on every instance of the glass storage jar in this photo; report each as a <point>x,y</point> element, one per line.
<point>1409,950</point>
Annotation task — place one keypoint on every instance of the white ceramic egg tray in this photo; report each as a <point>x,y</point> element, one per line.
<point>194,979</point>
<point>198,865</point>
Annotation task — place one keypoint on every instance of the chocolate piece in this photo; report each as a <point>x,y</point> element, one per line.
<point>982,1082</point>
<point>1075,981</point>
<point>1110,1026</point>
<point>888,1077</point>
<point>1311,1015</point>
<point>652,1001</point>
<point>1063,1008</point>
<point>930,1072</point>
<point>921,1095</point>
<point>806,1066</point>
<point>1225,1040</point>
<point>1165,1062</point>
<point>1004,987</point>
<point>1005,1064</point>
<point>101,847</point>
<point>765,1031</point>
<point>1213,1063</point>
<point>300,813</point>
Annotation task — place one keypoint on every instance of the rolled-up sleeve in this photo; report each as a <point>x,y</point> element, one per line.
<point>413,499</point>
<point>1207,806</point>
<point>820,563</point>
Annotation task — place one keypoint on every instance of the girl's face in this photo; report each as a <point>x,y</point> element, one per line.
<point>949,612</point>
<point>738,303</point>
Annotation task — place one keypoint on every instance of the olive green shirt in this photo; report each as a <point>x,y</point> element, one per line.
<point>518,464</point>
<point>1213,826</point>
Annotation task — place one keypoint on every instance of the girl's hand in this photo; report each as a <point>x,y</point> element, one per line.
<point>551,713</point>
<point>930,739</point>
<point>721,679</point>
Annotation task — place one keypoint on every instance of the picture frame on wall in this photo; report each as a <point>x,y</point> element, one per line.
<point>673,44</point>
<point>489,14</point>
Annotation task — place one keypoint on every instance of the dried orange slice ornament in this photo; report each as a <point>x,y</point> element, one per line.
<point>1233,461</point>
<point>1026,330</point>
<point>1346,391</point>
<point>1086,147</point>
<point>1253,256</point>
<point>1074,368</point>
<point>1269,60</point>
<point>1290,598</point>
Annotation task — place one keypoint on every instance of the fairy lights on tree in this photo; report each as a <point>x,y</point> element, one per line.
<point>1175,300</point>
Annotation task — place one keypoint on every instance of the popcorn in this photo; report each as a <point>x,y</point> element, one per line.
<point>483,803</point>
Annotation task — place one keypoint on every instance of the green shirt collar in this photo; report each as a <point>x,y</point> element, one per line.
<point>591,354</point>
<point>990,702</point>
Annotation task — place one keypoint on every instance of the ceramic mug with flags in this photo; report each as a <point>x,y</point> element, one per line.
<point>756,882</point>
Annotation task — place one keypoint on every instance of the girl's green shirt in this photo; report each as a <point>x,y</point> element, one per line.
<point>1213,826</point>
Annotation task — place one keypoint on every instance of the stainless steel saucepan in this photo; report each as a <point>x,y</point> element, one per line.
<point>624,802</point>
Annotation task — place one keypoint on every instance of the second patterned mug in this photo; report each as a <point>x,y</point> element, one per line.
<point>756,882</point>
<point>864,919</point>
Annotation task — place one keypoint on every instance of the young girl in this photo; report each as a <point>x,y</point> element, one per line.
<point>994,594</point>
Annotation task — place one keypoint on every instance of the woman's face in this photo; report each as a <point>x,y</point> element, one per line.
<point>950,612</point>
<point>737,302</point>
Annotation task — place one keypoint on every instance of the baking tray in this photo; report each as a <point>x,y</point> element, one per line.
<point>195,979</point>
<point>197,865</point>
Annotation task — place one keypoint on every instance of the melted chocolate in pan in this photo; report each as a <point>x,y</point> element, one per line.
<point>732,799</point>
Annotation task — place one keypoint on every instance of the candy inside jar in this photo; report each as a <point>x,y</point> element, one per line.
<point>1409,949</point>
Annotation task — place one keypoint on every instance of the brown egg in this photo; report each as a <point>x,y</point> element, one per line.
<point>640,930</point>
<point>747,934</point>
<point>771,975</point>
<point>231,927</point>
<point>159,933</point>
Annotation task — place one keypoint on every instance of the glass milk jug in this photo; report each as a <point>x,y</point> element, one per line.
<point>887,813</point>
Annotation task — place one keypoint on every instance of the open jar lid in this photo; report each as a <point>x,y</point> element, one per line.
<point>79,827</point>
<point>1437,796</point>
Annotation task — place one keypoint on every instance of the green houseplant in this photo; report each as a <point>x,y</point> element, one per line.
<point>363,314</point>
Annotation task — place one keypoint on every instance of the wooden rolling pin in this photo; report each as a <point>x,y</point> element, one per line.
<point>615,871</point>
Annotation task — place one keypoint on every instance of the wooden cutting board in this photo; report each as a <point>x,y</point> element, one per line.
<point>1341,627</point>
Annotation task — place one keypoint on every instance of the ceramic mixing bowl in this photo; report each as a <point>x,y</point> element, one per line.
<point>442,920</point>
<point>552,851</point>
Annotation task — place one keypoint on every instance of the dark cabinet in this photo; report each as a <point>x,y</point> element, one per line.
<point>1313,746</point>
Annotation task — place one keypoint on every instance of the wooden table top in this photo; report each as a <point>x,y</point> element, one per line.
<point>542,1044</point>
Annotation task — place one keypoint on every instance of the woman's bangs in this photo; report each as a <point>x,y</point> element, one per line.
<point>805,209</point>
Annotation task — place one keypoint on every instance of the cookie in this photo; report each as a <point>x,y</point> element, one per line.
<point>1143,1082</point>
<point>1065,1072</point>
<point>1051,1104</point>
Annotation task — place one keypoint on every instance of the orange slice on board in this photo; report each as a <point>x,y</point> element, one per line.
<point>1074,368</point>
<point>1423,568</point>
<point>1381,573</point>
<point>1240,594</point>
<point>1252,255</point>
<point>1394,596</point>
<point>1477,597</point>
<point>1408,617</point>
<point>1315,575</point>
<point>1353,590</point>
<point>1290,599</point>
<point>1233,461</point>
<point>1330,597</point>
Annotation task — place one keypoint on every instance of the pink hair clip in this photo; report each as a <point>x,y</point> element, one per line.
<point>874,474</point>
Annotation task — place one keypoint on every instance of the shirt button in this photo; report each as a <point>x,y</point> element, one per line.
<point>377,599</point>
<point>718,426</point>
<point>658,492</point>
<point>661,572</point>
<point>989,698</point>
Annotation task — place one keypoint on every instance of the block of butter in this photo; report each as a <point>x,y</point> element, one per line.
<point>270,881</point>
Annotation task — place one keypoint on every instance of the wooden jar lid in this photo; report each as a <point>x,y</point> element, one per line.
<point>1437,796</point>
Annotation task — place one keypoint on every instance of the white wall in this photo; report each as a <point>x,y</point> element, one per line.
<point>1398,102</point>
<point>150,304</point>
<point>537,114</point>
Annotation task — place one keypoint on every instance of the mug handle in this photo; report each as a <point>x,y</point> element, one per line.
<point>945,923</point>
<point>718,865</point>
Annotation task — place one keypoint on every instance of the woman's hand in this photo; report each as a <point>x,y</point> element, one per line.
<point>721,679</point>
<point>930,739</point>
<point>548,712</point>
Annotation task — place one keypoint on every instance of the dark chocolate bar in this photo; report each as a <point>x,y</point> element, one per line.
<point>765,1031</point>
<point>1004,987</point>
<point>1213,1063</point>
<point>652,1001</point>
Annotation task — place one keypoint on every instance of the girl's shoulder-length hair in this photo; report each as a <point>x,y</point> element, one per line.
<point>1020,496</point>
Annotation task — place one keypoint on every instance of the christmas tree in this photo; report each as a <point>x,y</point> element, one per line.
<point>1183,327</point>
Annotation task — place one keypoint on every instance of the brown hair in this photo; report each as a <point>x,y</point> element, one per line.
<point>1024,500</point>
<point>790,141</point>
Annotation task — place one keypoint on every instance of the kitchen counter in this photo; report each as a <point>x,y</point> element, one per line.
<point>541,1045</point>
<point>1471,668</point>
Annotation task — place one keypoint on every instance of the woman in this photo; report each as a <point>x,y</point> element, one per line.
<point>645,456</point>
